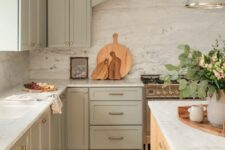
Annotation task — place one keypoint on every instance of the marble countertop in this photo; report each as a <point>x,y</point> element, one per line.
<point>13,129</point>
<point>178,135</point>
<point>94,83</point>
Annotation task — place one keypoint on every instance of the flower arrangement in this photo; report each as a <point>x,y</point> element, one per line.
<point>204,74</point>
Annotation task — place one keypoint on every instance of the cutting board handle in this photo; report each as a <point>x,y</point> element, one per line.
<point>115,38</point>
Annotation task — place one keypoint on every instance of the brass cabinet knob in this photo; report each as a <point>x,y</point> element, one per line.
<point>43,121</point>
<point>24,147</point>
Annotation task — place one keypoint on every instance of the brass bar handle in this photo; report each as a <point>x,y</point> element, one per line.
<point>116,113</point>
<point>116,94</point>
<point>115,138</point>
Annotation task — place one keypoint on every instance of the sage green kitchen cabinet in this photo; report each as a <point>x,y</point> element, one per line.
<point>23,143</point>
<point>37,30</point>
<point>58,23</point>
<point>96,2</point>
<point>35,140</point>
<point>45,131</point>
<point>55,132</point>
<point>33,23</point>
<point>77,119</point>
<point>42,23</point>
<point>63,121</point>
<point>58,127</point>
<point>40,133</point>
<point>69,23</point>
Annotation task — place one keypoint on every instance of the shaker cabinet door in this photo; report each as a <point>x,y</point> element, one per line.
<point>80,23</point>
<point>58,23</point>
<point>24,42</point>
<point>42,23</point>
<point>33,24</point>
<point>35,136</point>
<point>22,143</point>
<point>45,130</point>
<point>77,119</point>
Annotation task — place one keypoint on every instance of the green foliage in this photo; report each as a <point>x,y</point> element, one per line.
<point>204,74</point>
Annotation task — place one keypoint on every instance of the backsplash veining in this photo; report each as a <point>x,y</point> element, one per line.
<point>14,69</point>
<point>151,29</point>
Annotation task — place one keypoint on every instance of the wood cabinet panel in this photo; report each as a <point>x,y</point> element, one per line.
<point>158,142</point>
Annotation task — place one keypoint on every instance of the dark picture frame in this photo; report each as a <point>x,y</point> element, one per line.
<point>78,68</point>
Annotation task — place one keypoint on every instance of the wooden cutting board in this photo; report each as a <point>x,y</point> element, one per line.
<point>121,51</point>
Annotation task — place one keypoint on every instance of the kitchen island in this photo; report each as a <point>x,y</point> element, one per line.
<point>177,135</point>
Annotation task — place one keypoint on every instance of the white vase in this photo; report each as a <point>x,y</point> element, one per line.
<point>216,110</point>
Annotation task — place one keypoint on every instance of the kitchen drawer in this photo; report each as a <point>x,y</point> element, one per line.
<point>116,137</point>
<point>116,94</point>
<point>115,112</point>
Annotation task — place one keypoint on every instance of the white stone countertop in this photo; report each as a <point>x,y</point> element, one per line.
<point>13,129</point>
<point>178,135</point>
<point>94,83</point>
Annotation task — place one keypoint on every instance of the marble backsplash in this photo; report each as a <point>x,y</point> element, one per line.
<point>151,29</point>
<point>14,69</point>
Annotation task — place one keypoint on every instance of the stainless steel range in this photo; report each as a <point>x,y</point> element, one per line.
<point>154,90</point>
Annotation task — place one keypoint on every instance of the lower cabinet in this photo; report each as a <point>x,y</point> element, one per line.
<point>38,136</point>
<point>23,143</point>
<point>77,119</point>
<point>58,127</point>
<point>40,133</point>
<point>116,137</point>
<point>158,142</point>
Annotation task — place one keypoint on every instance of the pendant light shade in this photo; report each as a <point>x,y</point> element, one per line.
<point>206,4</point>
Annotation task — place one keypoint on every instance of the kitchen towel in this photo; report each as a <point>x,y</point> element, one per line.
<point>56,101</point>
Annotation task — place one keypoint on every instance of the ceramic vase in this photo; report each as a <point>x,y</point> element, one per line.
<point>216,109</point>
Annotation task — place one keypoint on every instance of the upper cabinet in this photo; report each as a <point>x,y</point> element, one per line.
<point>23,24</point>
<point>69,23</point>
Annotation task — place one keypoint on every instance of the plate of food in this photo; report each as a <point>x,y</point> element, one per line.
<point>39,87</point>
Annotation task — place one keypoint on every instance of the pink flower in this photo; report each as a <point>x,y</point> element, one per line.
<point>219,75</point>
<point>202,61</point>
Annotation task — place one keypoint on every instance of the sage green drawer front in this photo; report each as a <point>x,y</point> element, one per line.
<point>131,94</point>
<point>116,137</point>
<point>115,113</point>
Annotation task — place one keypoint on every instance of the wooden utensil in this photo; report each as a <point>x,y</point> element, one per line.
<point>121,51</point>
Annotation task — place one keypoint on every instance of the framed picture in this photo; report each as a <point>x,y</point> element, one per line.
<point>78,67</point>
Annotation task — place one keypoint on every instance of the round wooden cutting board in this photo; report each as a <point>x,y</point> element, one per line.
<point>121,51</point>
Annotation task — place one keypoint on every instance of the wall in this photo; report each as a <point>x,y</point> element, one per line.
<point>151,29</point>
<point>14,69</point>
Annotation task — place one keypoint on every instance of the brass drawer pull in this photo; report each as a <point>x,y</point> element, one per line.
<point>116,94</point>
<point>116,113</point>
<point>116,138</point>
